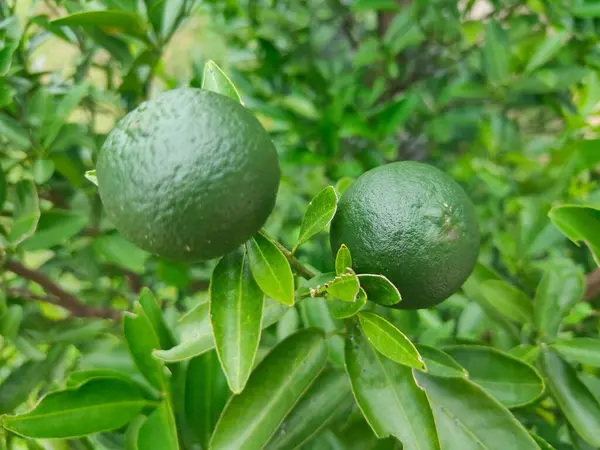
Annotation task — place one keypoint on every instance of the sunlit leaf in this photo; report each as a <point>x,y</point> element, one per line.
<point>96,406</point>
<point>379,289</point>
<point>546,50</point>
<point>388,396</point>
<point>341,309</point>
<point>236,308</point>
<point>440,363</point>
<point>270,269</point>
<point>577,403</point>
<point>319,213</point>
<point>252,417</point>
<point>343,260</point>
<point>558,291</point>
<point>389,341</point>
<point>142,340</point>
<point>508,379</point>
<point>215,80</point>
<point>318,405</point>
<point>584,350</point>
<point>111,22</point>
<point>26,213</point>
<point>471,420</point>
<point>579,223</point>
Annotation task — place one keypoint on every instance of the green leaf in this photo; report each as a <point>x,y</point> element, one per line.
<point>507,301</point>
<point>379,289</point>
<point>344,287</point>
<point>236,308</point>
<point>80,377</point>
<point>473,289</point>
<point>64,109</point>
<point>585,9</point>
<point>155,316</point>
<point>508,379</point>
<point>114,248</point>
<point>389,340</point>
<point>159,430</point>
<point>467,418</point>
<point>319,213</point>
<point>403,31</point>
<point>3,308</point>
<point>199,339</point>
<point>206,394</point>
<point>10,35</point>
<point>577,403</point>
<point>10,322</point>
<point>440,363</point>
<point>315,313</point>
<point>541,442</point>
<point>195,335</point>
<point>141,339</point>
<point>111,22</point>
<point>271,269</point>
<point>42,170</point>
<point>313,412</point>
<point>14,132</point>
<point>342,310</point>
<point>579,223</point>
<point>165,15</point>
<point>558,291</point>
<point>96,406</point>
<point>385,5</point>
<point>546,50</point>
<point>19,384</point>
<point>527,353</point>
<point>26,213</point>
<point>587,152</point>
<point>343,260</point>
<point>2,187</point>
<point>78,330</point>
<point>343,184</point>
<point>91,176</point>
<point>215,80</point>
<point>388,396</point>
<point>133,432</point>
<point>275,386</point>
<point>544,81</point>
<point>55,227</point>
<point>583,350</point>
<point>496,53</point>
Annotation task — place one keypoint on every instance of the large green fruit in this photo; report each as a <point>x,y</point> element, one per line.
<point>412,223</point>
<point>188,175</point>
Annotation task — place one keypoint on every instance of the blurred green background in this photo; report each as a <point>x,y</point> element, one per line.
<point>501,94</point>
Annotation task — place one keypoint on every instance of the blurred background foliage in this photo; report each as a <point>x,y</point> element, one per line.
<point>502,94</point>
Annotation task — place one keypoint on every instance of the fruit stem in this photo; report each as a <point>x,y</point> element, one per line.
<point>298,267</point>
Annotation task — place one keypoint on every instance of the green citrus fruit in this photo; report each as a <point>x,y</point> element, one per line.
<point>188,175</point>
<point>412,223</point>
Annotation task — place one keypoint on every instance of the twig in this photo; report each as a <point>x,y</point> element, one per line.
<point>58,295</point>
<point>592,285</point>
<point>298,267</point>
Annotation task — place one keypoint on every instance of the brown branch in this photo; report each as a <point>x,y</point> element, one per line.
<point>26,294</point>
<point>63,298</point>
<point>592,285</point>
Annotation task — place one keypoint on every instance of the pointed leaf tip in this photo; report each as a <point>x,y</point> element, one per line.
<point>215,80</point>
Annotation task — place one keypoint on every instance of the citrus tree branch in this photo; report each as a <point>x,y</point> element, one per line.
<point>592,285</point>
<point>58,295</point>
<point>298,267</point>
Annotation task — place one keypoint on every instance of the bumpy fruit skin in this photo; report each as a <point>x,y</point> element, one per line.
<point>188,175</point>
<point>412,223</point>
